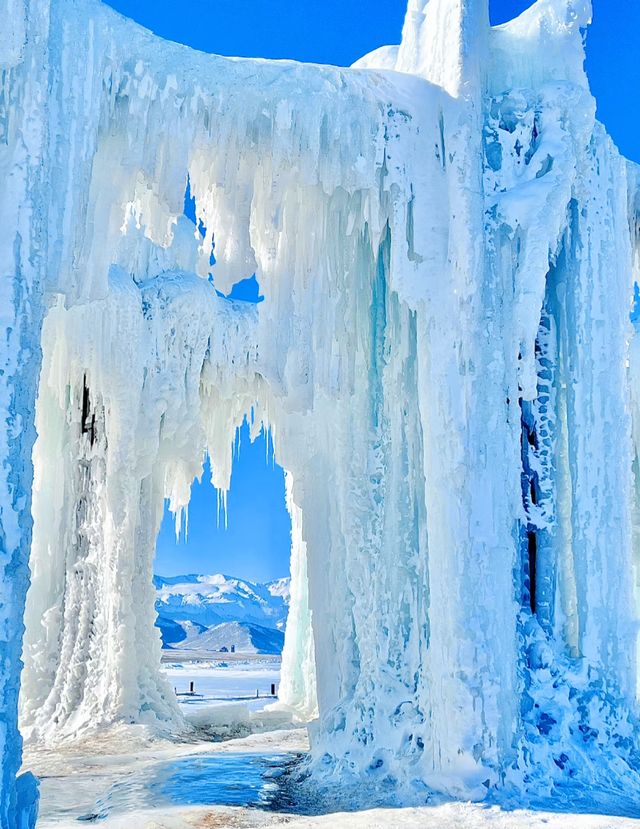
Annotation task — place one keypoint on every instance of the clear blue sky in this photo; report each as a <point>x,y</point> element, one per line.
<point>256,543</point>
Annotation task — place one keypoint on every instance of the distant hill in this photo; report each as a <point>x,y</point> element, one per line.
<point>174,633</point>
<point>214,613</point>
<point>230,637</point>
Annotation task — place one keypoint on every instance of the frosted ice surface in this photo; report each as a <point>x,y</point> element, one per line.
<point>446,241</point>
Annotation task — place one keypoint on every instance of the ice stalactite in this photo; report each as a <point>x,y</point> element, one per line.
<point>441,356</point>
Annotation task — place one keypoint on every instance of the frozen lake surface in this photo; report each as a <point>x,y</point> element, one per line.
<point>229,778</point>
<point>244,680</point>
<point>120,779</point>
<point>125,780</point>
<point>125,772</point>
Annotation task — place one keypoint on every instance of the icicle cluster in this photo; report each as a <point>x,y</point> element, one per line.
<point>447,253</point>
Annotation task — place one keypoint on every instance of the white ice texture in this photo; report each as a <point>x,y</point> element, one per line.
<point>447,242</point>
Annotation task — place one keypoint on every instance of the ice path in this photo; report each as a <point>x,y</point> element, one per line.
<point>447,254</point>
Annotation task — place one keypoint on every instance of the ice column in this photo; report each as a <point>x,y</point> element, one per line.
<point>23,251</point>
<point>298,687</point>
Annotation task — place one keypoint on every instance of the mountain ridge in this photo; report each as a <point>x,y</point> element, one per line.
<point>215,612</point>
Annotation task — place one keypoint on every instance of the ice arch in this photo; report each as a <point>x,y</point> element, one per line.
<point>447,255</point>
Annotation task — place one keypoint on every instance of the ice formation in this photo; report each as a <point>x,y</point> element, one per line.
<point>446,241</point>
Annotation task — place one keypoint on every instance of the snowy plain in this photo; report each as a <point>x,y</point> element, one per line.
<point>216,683</point>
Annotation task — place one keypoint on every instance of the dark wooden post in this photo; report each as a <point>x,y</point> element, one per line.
<point>191,687</point>
<point>273,689</point>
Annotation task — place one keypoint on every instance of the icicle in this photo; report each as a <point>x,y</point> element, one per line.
<point>407,230</point>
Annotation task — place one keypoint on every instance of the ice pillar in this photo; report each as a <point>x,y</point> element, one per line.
<point>23,253</point>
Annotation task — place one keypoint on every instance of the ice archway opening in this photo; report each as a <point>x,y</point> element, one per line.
<point>145,365</point>
<point>446,241</point>
<point>92,657</point>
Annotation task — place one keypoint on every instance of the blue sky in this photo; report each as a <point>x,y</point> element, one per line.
<point>256,543</point>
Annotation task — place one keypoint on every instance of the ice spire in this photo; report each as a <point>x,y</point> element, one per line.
<point>545,43</point>
<point>444,42</point>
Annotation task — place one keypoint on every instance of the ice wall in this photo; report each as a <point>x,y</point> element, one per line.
<point>146,367</point>
<point>443,357</point>
<point>23,247</point>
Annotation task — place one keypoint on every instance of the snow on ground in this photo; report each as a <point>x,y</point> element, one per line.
<point>449,816</point>
<point>136,776</point>
<point>230,695</point>
<point>128,780</point>
<point>218,682</point>
<point>90,774</point>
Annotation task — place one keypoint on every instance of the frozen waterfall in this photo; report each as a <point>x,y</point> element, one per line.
<point>447,244</point>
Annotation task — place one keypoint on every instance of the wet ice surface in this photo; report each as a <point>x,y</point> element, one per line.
<point>125,771</point>
<point>230,779</point>
<point>237,783</point>
<point>127,781</point>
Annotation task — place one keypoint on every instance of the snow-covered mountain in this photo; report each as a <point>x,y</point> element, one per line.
<point>211,612</point>
<point>227,637</point>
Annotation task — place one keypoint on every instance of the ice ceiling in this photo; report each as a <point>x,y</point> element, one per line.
<point>446,241</point>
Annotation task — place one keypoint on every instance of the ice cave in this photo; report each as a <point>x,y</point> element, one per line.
<point>447,242</point>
